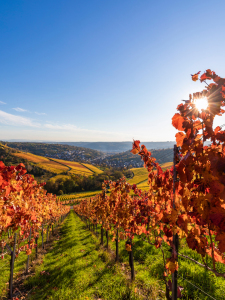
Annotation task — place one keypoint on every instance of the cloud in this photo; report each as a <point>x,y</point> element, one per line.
<point>76,130</point>
<point>40,114</point>
<point>20,109</point>
<point>69,127</point>
<point>1,102</point>
<point>61,127</point>
<point>10,119</point>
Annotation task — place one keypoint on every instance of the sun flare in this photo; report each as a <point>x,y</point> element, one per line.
<point>201,104</point>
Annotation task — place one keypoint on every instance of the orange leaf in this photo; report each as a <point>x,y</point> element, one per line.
<point>177,121</point>
<point>172,266</point>
<point>195,76</point>
<point>179,138</point>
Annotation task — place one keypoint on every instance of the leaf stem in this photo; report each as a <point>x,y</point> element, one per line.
<point>213,258</point>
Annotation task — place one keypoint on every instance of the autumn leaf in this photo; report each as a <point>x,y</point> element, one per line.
<point>223,91</point>
<point>177,121</point>
<point>172,266</point>
<point>28,252</point>
<point>180,138</point>
<point>195,76</point>
<point>134,151</point>
<point>128,247</point>
<point>136,147</point>
<point>204,77</point>
<point>221,239</point>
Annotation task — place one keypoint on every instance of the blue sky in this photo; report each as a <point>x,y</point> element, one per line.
<point>103,70</point>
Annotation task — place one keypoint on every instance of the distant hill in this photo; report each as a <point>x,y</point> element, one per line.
<point>118,146</point>
<point>162,156</point>
<point>59,151</point>
<point>104,146</point>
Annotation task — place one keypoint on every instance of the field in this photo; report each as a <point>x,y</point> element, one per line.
<point>79,195</point>
<point>32,157</point>
<point>53,167</point>
<point>77,168</point>
<point>140,174</point>
<point>93,168</point>
<point>167,165</point>
<point>59,166</point>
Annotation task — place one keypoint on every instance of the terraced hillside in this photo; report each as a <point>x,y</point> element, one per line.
<point>74,167</point>
<point>58,166</point>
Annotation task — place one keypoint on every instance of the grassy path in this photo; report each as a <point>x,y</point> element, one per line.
<point>76,268</point>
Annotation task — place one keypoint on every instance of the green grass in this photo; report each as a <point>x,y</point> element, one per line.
<point>148,264</point>
<point>19,267</point>
<point>78,269</point>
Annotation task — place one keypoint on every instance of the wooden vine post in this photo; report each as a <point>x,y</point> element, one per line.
<point>42,233</point>
<point>175,236</point>
<point>47,233</point>
<point>117,245</point>
<point>28,257</point>
<point>11,268</point>
<point>36,242</point>
<point>102,234</point>
<point>102,230</point>
<point>107,239</point>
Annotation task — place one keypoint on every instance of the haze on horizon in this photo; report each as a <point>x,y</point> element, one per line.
<point>103,70</point>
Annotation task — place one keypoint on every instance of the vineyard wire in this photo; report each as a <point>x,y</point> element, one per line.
<point>4,265</point>
<point>178,274</point>
<point>196,286</point>
<point>182,277</point>
<point>165,155</point>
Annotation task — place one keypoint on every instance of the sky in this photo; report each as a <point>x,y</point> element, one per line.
<point>103,70</point>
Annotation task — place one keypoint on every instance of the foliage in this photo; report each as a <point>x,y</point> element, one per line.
<point>78,183</point>
<point>24,206</point>
<point>196,210</point>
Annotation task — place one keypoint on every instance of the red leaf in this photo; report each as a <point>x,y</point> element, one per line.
<point>204,77</point>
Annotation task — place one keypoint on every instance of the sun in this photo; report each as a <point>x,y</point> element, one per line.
<point>201,104</point>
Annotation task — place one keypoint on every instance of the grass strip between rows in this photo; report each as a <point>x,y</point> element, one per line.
<point>77,268</point>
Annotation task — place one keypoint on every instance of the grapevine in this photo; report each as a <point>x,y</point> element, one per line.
<point>193,207</point>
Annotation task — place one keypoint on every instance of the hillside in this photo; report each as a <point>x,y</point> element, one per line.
<point>43,167</point>
<point>56,166</point>
<point>58,151</point>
